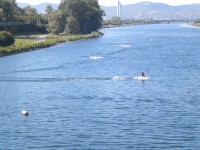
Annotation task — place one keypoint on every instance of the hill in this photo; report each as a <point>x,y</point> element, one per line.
<point>149,10</point>
<point>142,10</point>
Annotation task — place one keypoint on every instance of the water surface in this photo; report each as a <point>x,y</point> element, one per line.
<point>74,103</point>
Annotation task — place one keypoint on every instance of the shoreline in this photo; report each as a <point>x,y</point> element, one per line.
<point>12,50</point>
<point>126,25</point>
<point>196,25</point>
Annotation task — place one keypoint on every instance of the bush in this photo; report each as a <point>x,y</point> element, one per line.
<point>6,39</point>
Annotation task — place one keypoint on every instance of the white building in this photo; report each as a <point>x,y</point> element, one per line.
<point>119,9</point>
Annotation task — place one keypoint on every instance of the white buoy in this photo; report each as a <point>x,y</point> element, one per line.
<point>25,113</point>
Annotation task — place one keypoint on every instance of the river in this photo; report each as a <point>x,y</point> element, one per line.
<point>74,103</point>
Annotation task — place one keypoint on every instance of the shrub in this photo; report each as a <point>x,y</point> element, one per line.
<point>6,39</point>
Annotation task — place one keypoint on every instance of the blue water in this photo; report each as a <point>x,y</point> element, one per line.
<point>74,103</point>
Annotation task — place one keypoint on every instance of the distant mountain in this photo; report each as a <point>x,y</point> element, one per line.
<point>149,10</point>
<point>142,10</point>
<point>22,5</point>
<point>40,7</point>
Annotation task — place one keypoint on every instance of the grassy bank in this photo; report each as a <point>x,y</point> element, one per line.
<point>196,24</point>
<point>32,42</point>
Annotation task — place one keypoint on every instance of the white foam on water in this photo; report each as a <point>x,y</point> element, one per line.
<point>126,45</point>
<point>118,78</point>
<point>151,39</point>
<point>141,78</point>
<point>92,57</point>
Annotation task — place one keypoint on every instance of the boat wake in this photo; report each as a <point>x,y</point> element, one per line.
<point>52,79</point>
<point>63,79</point>
<point>141,78</point>
<point>92,57</point>
<point>126,45</point>
<point>118,78</point>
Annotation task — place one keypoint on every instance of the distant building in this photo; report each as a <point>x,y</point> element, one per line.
<point>119,9</point>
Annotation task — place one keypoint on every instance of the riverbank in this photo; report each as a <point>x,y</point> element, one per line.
<point>196,24</point>
<point>132,22</point>
<point>30,43</point>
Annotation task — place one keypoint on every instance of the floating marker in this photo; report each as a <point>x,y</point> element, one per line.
<point>25,113</point>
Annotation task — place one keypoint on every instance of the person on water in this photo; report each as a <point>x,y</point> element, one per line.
<point>142,73</point>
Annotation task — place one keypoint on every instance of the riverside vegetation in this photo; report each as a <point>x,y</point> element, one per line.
<point>73,20</point>
<point>30,42</point>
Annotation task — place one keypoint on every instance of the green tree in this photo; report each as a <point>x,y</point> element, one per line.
<point>57,22</point>
<point>16,10</point>
<point>6,11</point>
<point>77,9</point>
<point>13,18</point>
<point>86,12</point>
<point>30,11</point>
<point>93,16</point>
<point>6,38</point>
<point>64,6</point>
<point>1,13</point>
<point>49,9</point>
<point>73,26</point>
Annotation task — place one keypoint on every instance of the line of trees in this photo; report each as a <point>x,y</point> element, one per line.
<point>23,20</point>
<point>72,17</point>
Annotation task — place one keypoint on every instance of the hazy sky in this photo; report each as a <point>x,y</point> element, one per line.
<point>114,2</point>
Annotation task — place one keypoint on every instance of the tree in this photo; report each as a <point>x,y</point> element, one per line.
<point>6,11</point>
<point>1,13</point>
<point>49,9</point>
<point>6,38</point>
<point>73,25</point>
<point>57,22</point>
<point>86,13</point>
<point>64,6</point>
<point>93,16</point>
<point>30,11</point>
<point>77,9</point>
<point>14,19</point>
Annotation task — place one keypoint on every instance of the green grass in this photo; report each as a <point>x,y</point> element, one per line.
<point>28,43</point>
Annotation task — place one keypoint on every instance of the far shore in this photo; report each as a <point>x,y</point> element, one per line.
<point>35,42</point>
<point>129,22</point>
<point>196,24</point>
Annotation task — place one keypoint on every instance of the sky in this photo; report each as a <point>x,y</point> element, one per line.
<point>114,2</point>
